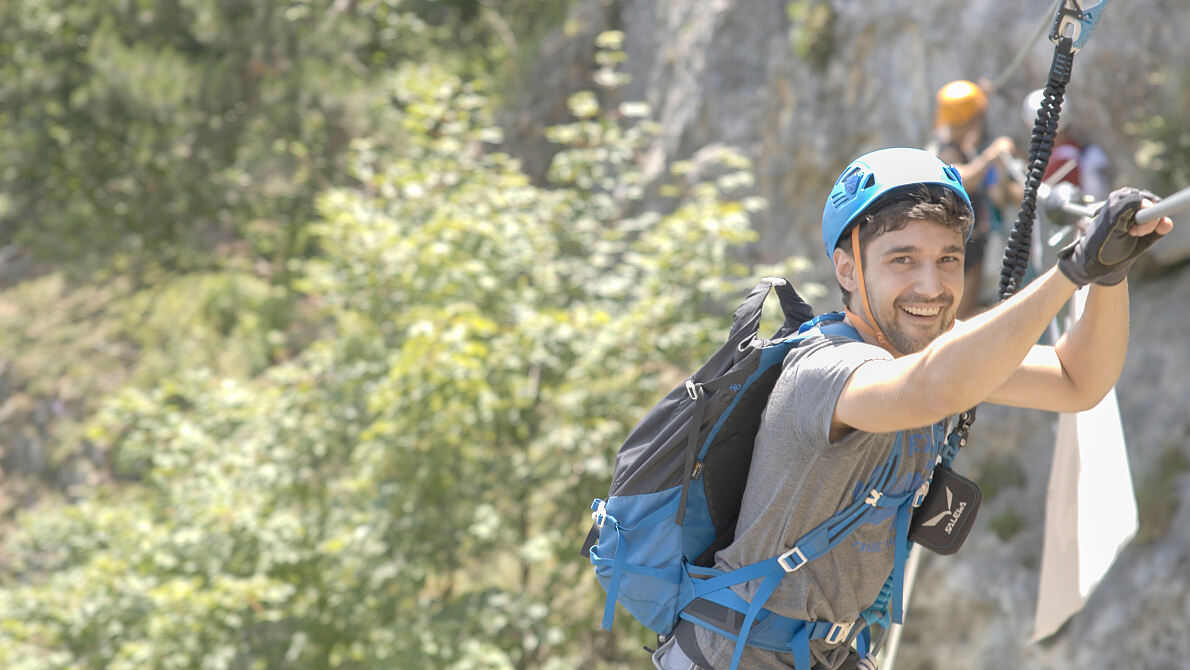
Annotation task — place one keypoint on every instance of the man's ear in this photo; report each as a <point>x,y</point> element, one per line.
<point>845,271</point>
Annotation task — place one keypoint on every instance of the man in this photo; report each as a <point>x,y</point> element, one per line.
<point>895,225</point>
<point>960,120</point>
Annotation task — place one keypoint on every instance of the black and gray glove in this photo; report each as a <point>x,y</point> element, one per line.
<point>1105,251</point>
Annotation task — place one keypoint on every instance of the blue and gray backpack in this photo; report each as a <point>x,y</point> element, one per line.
<point>676,491</point>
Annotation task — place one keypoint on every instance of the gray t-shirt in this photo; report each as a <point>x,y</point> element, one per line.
<point>798,479</point>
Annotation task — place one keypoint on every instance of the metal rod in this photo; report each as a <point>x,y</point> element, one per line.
<point>1174,203</point>
<point>1088,210</point>
<point>894,640</point>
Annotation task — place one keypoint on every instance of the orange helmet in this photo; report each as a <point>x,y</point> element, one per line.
<point>959,102</point>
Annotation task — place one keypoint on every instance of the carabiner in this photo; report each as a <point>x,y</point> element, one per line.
<point>1076,22</point>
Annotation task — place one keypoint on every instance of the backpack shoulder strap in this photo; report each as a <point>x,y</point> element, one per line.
<point>830,323</point>
<point>811,546</point>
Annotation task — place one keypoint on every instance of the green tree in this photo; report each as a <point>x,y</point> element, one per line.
<point>161,159</point>
<point>152,131</point>
<point>410,490</point>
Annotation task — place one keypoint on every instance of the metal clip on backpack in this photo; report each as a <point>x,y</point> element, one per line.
<point>677,485</point>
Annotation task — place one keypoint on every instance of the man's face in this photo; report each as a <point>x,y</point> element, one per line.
<point>914,281</point>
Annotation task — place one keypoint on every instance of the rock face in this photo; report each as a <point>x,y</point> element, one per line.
<point>801,88</point>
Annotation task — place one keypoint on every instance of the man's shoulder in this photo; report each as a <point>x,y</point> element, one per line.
<point>828,349</point>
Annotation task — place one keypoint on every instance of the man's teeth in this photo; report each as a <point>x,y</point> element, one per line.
<point>922,311</point>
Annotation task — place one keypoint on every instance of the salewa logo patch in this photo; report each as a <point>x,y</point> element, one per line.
<point>953,512</point>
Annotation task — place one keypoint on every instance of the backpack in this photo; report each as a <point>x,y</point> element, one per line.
<point>676,489</point>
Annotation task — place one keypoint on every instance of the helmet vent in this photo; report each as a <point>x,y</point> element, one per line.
<point>870,181</point>
<point>851,181</point>
<point>953,173</point>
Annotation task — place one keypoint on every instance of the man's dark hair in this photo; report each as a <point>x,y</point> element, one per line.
<point>926,202</point>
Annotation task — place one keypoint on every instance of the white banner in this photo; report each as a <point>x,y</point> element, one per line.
<point>1090,509</point>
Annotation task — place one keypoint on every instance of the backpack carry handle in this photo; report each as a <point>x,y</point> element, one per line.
<point>746,322</point>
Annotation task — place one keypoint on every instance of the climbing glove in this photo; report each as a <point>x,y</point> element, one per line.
<point>1105,251</point>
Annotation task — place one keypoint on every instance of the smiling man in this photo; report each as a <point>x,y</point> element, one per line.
<point>861,417</point>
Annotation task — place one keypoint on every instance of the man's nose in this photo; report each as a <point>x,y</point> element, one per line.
<point>929,281</point>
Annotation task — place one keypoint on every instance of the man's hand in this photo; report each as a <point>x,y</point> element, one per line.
<point>1112,240</point>
<point>997,149</point>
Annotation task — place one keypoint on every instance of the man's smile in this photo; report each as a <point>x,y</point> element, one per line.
<point>923,310</point>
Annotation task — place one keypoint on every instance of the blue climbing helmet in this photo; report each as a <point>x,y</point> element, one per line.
<point>875,174</point>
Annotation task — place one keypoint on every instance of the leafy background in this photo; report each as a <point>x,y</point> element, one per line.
<point>300,367</point>
<point>300,370</point>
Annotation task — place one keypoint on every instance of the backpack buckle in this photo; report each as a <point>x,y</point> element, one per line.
<point>839,632</point>
<point>874,497</point>
<point>599,513</point>
<point>920,496</point>
<point>796,552</point>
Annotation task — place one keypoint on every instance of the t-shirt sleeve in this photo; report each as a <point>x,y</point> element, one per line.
<point>816,376</point>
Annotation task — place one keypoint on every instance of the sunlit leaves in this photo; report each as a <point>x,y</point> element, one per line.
<point>410,489</point>
<point>134,131</point>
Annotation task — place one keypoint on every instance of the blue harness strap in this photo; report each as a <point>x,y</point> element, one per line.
<point>792,635</point>
<point>784,634</point>
<point>831,323</point>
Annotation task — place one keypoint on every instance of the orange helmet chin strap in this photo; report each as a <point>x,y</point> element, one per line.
<point>870,327</point>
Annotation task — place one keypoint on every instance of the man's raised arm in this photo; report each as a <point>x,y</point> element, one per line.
<point>992,357</point>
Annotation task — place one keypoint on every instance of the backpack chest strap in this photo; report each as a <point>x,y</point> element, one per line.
<point>710,602</point>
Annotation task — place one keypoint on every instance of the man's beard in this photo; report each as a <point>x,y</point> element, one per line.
<point>907,343</point>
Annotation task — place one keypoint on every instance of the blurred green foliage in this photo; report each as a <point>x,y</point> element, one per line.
<point>377,452</point>
<point>1163,139</point>
<point>139,132</point>
<point>1157,497</point>
<point>811,23</point>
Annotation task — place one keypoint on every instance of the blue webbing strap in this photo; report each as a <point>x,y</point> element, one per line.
<point>787,635</point>
<point>620,565</point>
<point>769,584</point>
<point>954,442</point>
<point>831,323</point>
<point>813,545</point>
<point>863,641</point>
<point>878,612</point>
<point>613,587</point>
<point>704,587</point>
<point>844,522</point>
<point>823,538</point>
<point>900,554</point>
<point>801,650</point>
